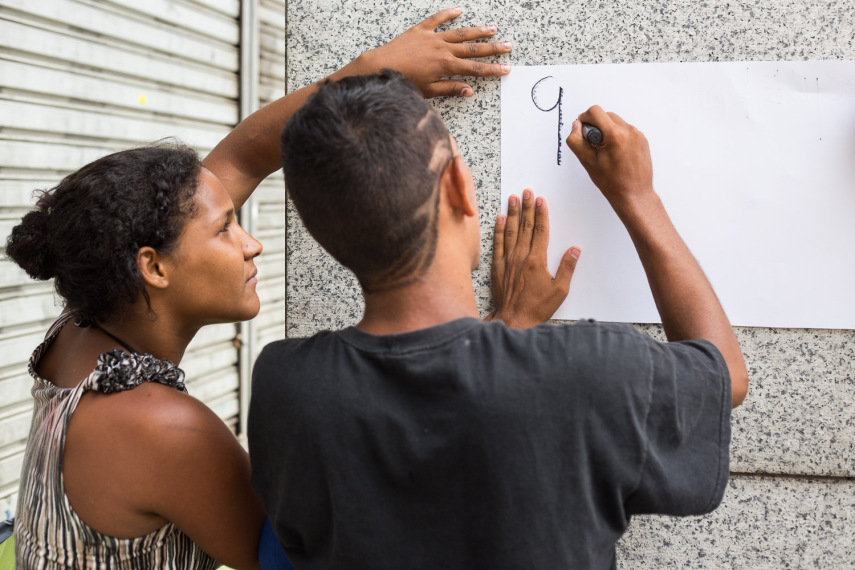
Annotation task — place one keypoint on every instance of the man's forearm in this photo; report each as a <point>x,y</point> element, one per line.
<point>622,169</point>
<point>684,297</point>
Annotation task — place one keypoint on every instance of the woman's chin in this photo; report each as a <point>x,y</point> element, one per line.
<point>253,310</point>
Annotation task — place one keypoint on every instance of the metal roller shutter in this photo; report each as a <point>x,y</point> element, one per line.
<point>264,214</point>
<point>80,79</point>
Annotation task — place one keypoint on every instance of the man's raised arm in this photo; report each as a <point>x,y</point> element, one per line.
<point>621,168</point>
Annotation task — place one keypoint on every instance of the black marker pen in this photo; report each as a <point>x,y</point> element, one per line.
<point>592,134</point>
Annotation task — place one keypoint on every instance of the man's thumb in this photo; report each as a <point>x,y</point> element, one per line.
<point>566,269</point>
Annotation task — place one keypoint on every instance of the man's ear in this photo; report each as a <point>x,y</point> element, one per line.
<point>455,184</point>
<point>152,268</point>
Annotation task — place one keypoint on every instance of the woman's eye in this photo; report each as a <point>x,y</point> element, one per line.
<point>225,227</point>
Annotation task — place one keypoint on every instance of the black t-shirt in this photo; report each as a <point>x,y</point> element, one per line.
<point>472,445</point>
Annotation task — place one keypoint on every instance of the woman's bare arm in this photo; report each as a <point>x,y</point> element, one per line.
<point>200,481</point>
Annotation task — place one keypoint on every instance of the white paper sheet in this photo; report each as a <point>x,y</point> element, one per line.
<point>754,161</point>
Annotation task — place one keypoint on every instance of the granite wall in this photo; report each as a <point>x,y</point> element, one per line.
<point>791,499</point>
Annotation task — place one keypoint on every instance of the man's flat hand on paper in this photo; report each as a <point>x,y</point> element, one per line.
<point>524,291</point>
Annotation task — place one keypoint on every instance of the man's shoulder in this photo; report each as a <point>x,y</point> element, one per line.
<point>281,358</point>
<point>277,348</point>
<point>588,337</point>
<point>580,327</point>
<point>584,344</point>
<point>580,336</point>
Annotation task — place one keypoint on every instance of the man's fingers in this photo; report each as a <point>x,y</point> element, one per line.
<point>540,238</point>
<point>499,240</point>
<point>512,224</point>
<point>480,49</point>
<point>597,117</point>
<point>566,269</point>
<point>617,119</point>
<point>608,123</point>
<point>577,143</point>
<point>434,21</point>
<point>526,223</point>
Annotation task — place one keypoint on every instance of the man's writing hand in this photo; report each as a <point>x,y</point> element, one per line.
<point>524,291</point>
<point>620,166</point>
<point>427,57</point>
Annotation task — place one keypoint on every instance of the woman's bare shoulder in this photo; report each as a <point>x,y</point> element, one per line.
<point>154,454</point>
<point>155,418</point>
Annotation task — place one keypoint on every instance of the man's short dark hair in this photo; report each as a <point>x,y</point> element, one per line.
<point>362,161</point>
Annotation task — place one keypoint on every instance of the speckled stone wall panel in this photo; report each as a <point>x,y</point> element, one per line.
<point>616,31</point>
<point>321,294</point>
<point>764,523</point>
<point>799,417</point>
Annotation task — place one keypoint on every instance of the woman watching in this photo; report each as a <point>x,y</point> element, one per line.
<point>123,469</point>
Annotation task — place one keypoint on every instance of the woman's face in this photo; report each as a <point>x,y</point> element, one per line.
<point>212,273</point>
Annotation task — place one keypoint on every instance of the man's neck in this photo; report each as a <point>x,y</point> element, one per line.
<point>432,300</point>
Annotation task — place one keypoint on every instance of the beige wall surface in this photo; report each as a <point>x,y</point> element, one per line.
<point>791,499</point>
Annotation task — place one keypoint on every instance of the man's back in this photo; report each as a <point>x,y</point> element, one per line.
<point>471,445</point>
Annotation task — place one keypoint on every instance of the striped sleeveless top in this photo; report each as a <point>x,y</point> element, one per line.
<point>48,533</point>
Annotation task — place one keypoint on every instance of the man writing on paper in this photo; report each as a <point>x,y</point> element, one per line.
<point>426,438</point>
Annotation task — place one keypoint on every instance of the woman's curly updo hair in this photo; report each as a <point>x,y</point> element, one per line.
<point>86,232</point>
